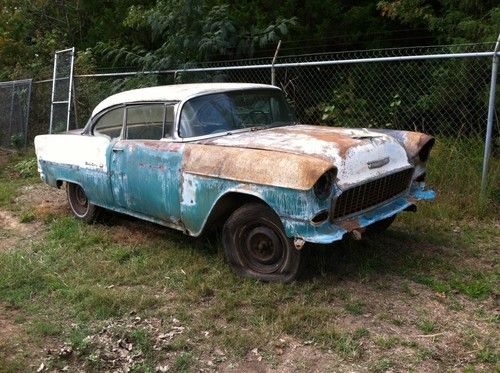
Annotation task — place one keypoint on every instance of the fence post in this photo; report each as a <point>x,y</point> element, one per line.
<point>489,125</point>
<point>273,72</point>
<point>12,93</point>
<point>28,108</point>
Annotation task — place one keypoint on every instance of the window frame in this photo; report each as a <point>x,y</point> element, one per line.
<point>177,135</point>
<point>171,135</point>
<point>95,121</point>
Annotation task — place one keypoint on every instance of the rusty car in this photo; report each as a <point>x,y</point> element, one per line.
<point>191,156</point>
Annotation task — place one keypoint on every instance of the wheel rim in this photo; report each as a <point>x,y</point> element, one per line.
<point>263,249</point>
<point>80,202</point>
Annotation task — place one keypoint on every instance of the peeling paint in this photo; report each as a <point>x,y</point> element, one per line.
<point>255,166</point>
<point>349,150</point>
<point>179,183</point>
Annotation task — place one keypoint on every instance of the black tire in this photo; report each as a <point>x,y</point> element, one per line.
<point>255,245</point>
<point>79,203</point>
<point>381,225</point>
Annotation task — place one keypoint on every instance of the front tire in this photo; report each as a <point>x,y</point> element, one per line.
<point>79,203</point>
<point>256,246</point>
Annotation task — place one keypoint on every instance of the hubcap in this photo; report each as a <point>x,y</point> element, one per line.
<point>78,200</point>
<point>264,249</point>
<point>81,198</point>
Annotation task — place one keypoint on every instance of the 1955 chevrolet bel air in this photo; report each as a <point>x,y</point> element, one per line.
<point>194,155</point>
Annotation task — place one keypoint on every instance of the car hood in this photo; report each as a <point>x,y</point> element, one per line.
<point>358,154</point>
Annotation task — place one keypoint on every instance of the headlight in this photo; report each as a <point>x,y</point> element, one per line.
<point>324,185</point>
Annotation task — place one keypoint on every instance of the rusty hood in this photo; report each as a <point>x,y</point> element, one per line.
<point>296,156</point>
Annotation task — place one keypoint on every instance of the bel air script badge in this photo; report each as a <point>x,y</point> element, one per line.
<point>378,163</point>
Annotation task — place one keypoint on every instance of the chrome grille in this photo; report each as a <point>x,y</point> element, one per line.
<point>372,193</point>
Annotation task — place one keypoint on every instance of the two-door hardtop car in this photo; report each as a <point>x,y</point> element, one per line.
<point>194,155</point>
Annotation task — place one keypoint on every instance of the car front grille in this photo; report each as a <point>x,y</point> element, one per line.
<point>372,193</point>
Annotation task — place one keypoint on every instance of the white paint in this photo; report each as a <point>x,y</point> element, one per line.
<point>178,92</point>
<point>188,192</point>
<point>352,168</point>
<point>77,150</point>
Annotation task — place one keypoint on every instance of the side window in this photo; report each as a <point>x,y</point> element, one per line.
<point>146,122</point>
<point>110,124</point>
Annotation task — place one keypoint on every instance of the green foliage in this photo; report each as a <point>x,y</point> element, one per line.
<point>165,33</point>
<point>451,21</point>
<point>17,141</point>
<point>183,31</point>
<point>26,168</point>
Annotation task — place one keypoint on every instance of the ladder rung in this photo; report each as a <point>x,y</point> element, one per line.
<point>60,102</point>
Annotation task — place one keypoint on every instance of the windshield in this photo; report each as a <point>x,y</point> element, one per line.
<point>229,111</point>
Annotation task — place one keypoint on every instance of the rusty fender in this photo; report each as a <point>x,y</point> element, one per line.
<point>255,166</point>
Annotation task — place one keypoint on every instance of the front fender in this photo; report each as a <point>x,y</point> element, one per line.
<point>200,194</point>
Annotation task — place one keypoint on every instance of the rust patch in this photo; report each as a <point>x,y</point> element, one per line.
<point>256,166</point>
<point>414,141</point>
<point>349,225</point>
<point>162,145</point>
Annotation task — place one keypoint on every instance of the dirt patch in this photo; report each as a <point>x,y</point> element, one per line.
<point>131,231</point>
<point>13,233</point>
<point>4,158</point>
<point>12,336</point>
<point>9,329</point>
<point>44,201</point>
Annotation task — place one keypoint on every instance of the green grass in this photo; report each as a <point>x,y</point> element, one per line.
<point>427,326</point>
<point>386,342</point>
<point>75,277</point>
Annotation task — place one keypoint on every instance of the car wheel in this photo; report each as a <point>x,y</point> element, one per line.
<point>255,245</point>
<point>79,203</point>
<point>381,225</point>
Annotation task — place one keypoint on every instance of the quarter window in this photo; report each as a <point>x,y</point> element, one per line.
<point>110,124</point>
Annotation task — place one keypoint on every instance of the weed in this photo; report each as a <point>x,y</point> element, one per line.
<point>427,326</point>
<point>43,328</point>
<point>382,365</point>
<point>26,168</point>
<point>488,354</point>
<point>354,307</point>
<point>386,343</point>
<point>27,217</point>
<point>183,362</point>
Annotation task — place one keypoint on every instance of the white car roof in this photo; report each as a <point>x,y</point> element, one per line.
<point>178,92</point>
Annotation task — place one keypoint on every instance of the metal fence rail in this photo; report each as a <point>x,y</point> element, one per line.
<point>15,98</point>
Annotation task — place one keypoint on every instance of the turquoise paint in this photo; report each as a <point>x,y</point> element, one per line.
<point>200,194</point>
<point>95,182</point>
<point>148,183</point>
<point>146,180</point>
<point>419,192</point>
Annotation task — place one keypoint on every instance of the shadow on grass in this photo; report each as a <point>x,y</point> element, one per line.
<point>433,258</point>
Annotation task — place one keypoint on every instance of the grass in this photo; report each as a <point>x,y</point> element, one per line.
<point>427,326</point>
<point>361,301</point>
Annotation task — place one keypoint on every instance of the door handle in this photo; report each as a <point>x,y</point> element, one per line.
<point>116,150</point>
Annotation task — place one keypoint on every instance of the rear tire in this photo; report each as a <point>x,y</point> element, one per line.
<point>79,203</point>
<point>381,225</point>
<point>256,246</point>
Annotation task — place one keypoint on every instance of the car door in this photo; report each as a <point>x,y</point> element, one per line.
<point>146,169</point>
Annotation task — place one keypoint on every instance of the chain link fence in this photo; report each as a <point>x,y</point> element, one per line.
<point>15,98</point>
<point>440,90</point>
